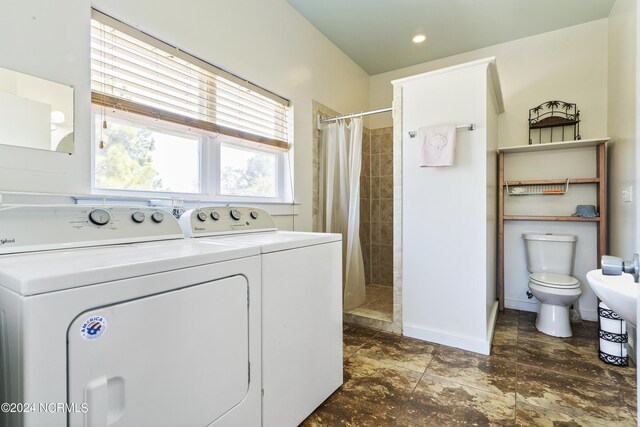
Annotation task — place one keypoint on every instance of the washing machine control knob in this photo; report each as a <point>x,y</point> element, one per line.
<point>254,214</point>
<point>215,216</point>
<point>201,216</point>
<point>99,217</point>
<point>157,217</point>
<point>138,217</point>
<point>235,214</point>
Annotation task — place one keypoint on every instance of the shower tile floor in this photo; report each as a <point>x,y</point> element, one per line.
<point>378,303</point>
<point>530,379</point>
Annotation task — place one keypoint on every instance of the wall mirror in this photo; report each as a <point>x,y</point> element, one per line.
<point>35,113</point>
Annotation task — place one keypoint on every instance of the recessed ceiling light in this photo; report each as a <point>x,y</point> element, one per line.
<point>418,38</point>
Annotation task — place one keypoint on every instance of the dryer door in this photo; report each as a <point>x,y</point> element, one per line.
<point>174,359</point>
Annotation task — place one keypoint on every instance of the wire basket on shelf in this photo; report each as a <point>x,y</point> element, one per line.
<point>517,189</point>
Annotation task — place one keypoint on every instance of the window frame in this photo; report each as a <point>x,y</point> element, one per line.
<point>281,170</point>
<point>209,162</point>
<point>210,136</point>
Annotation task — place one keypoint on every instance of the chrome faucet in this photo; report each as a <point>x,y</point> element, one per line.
<point>614,266</point>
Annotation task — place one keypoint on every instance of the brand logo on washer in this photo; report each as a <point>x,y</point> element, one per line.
<point>7,241</point>
<point>93,327</point>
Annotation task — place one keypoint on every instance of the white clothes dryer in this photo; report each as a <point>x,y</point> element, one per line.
<point>108,317</point>
<point>301,307</point>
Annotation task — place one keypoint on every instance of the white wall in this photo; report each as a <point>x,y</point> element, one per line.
<point>264,41</point>
<point>448,228</point>
<point>623,122</point>
<point>576,163</point>
<point>637,192</point>
<point>568,64</point>
<point>493,110</point>
<point>622,127</point>
<point>49,40</point>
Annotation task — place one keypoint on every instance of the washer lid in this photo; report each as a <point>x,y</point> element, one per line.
<point>276,241</point>
<point>554,280</point>
<point>42,272</point>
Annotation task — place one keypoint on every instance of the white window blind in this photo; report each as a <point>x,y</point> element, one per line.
<point>135,72</point>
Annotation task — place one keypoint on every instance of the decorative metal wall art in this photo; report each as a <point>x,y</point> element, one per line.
<point>549,115</point>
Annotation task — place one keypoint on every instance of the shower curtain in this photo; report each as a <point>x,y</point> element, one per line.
<point>339,211</point>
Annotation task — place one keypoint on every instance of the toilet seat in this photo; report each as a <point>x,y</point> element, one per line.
<point>553,280</point>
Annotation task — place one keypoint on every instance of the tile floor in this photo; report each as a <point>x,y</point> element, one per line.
<point>530,379</point>
<point>378,303</point>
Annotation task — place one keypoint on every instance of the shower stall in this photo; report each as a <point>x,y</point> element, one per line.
<point>376,218</point>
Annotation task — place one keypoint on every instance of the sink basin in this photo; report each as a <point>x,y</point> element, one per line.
<point>619,293</point>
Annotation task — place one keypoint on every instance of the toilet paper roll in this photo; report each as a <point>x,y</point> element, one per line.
<point>612,348</point>
<point>606,307</point>
<point>613,326</point>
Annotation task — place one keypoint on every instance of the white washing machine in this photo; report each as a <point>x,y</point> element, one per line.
<point>301,307</point>
<point>99,329</point>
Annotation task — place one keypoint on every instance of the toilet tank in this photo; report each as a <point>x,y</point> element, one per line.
<point>550,253</point>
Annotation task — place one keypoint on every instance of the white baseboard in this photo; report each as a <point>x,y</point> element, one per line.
<point>465,343</point>
<point>521,305</point>
<point>491,327</point>
<point>591,315</point>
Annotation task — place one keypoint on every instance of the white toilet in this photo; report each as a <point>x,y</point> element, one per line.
<point>550,261</point>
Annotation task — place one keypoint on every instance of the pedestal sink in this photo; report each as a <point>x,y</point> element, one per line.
<point>619,293</point>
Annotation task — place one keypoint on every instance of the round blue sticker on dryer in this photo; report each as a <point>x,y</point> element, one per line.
<point>94,327</point>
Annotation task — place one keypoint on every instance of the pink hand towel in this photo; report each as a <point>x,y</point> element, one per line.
<point>437,145</point>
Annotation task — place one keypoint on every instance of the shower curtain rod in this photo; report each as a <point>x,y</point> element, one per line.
<point>349,116</point>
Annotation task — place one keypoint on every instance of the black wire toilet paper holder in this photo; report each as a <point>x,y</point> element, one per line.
<point>614,338</point>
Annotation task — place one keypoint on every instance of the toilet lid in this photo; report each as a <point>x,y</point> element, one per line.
<point>554,280</point>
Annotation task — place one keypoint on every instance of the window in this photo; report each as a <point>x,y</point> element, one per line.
<point>145,158</point>
<point>167,121</point>
<point>245,172</point>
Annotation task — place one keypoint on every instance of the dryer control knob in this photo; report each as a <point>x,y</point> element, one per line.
<point>157,217</point>
<point>138,217</point>
<point>99,217</point>
<point>201,216</point>
<point>215,216</point>
<point>235,214</point>
<point>254,214</point>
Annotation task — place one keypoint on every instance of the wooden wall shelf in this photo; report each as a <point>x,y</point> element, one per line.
<point>600,182</point>
<point>554,146</point>
<point>572,181</point>
<point>548,218</point>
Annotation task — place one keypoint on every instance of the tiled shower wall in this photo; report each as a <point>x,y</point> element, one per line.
<point>376,183</point>
<point>318,109</point>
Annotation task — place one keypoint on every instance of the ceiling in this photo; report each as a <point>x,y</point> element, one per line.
<point>377,34</point>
